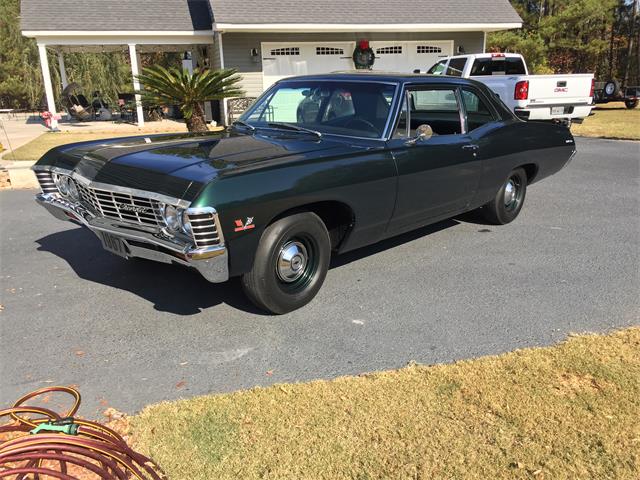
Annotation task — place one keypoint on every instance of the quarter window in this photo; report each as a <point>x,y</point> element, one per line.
<point>437,108</point>
<point>478,114</point>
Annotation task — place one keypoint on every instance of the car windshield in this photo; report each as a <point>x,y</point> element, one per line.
<point>357,109</point>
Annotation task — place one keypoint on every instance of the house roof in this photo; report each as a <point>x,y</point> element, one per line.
<point>188,15</point>
<point>363,12</point>
<point>115,15</point>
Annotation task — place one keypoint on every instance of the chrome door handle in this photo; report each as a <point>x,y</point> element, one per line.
<point>470,147</point>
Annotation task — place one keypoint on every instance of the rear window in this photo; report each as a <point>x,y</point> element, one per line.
<point>498,66</point>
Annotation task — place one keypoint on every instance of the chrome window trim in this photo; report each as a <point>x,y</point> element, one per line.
<point>115,188</point>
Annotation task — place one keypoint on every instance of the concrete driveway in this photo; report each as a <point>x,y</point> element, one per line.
<point>131,333</point>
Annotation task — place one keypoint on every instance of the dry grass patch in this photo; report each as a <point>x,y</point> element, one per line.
<point>611,120</point>
<point>568,411</point>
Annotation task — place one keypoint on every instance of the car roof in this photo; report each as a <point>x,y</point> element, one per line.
<point>388,77</point>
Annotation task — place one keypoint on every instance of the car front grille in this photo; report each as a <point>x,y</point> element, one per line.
<point>205,229</point>
<point>121,206</point>
<point>46,182</point>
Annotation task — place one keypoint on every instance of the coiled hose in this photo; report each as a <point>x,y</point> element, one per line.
<point>64,447</point>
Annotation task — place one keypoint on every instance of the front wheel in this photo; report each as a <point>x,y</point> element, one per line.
<point>630,104</point>
<point>508,202</point>
<point>291,263</point>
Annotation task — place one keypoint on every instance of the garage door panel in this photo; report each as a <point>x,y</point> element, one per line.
<point>405,57</point>
<point>281,60</point>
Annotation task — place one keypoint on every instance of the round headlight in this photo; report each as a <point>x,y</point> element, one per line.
<point>62,184</point>
<point>186,224</point>
<point>72,188</point>
<point>172,218</point>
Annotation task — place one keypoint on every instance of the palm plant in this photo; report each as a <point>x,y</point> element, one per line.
<point>162,86</point>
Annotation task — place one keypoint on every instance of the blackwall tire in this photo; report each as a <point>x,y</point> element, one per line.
<point>630,104</point>
<point>290,265</point>
<point>509,200</point>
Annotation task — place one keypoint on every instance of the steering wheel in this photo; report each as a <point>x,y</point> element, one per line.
<point>362,121</point>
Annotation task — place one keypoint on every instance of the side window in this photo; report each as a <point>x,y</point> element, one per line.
<point>478,114</point>
<point>438,68</point>
<point>436,107</point>
<point>456,66</point>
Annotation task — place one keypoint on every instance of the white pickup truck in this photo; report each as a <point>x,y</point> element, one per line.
<point>561,98</point>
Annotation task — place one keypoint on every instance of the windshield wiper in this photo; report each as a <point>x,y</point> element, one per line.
<point>288,126</point>
<point>244,124</point>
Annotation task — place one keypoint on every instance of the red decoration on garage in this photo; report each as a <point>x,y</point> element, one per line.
<point>363,56</point>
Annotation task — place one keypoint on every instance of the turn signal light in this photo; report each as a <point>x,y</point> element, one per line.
<point>522,90</point>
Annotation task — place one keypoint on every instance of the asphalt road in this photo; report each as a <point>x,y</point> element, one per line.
<point>132,333</point>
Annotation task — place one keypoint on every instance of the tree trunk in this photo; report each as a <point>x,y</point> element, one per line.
<point>632,28</point>
<point>197,122</point>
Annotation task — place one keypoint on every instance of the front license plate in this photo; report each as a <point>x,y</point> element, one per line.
<point>113,244</point>
<point>557,110</point>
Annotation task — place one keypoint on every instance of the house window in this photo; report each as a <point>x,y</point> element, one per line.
<point>329,51</point>
<point>428,49</point>
<point>389,50</point>
<point>285,51</point>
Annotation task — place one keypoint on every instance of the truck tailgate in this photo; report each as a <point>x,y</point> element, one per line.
<point>559,89</point>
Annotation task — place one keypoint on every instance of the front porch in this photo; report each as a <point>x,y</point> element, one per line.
<point>198,44</point>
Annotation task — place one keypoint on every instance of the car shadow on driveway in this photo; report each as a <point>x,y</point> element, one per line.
<point>176,289</point>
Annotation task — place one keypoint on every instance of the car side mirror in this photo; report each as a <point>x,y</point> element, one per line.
<point>423,132</point>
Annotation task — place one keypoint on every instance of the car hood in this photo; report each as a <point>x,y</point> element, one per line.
<point>179,165</point>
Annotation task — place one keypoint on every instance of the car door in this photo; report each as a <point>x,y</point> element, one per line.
<point>437,176</point>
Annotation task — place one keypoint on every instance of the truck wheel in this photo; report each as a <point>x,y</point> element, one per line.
<point>631,104</point>
<point>508,202</point>
<point>291,263</point>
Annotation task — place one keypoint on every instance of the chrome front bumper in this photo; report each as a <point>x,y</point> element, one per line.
<point>211,262</point>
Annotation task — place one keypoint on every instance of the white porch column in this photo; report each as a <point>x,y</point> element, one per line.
<point>218,38</point>
<point>48,87</point>
<point>136,84</point>
<point>63,70</point>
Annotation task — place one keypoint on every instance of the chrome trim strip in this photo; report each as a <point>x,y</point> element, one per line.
<point>114,188</point>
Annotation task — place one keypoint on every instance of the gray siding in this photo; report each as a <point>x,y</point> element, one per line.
<point>237,46</point>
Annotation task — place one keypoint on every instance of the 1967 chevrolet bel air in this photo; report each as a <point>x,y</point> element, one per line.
<point>318,164</point>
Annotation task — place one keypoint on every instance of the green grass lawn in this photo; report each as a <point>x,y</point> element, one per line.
<point>565,412</point>
<point>611,120</point>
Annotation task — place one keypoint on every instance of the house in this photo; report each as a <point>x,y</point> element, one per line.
<point>266,40</point>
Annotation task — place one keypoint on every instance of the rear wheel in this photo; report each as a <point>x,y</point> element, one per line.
<point>631,104</point>
<point>508,202</point>
<point>291,263</point>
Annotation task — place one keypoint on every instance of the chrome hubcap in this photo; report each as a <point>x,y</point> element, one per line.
<point>510,193</point>
<point>292,261</point>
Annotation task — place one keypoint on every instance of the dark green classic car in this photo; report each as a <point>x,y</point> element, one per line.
<point>317,165</point>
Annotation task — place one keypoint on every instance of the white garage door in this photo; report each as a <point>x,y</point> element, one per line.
<point>405,57</point>
<point>286,59</point>
<point>280,60</point>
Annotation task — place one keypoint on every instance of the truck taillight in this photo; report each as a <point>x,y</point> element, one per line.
<point>593,87</point>
<point>522,90</point>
